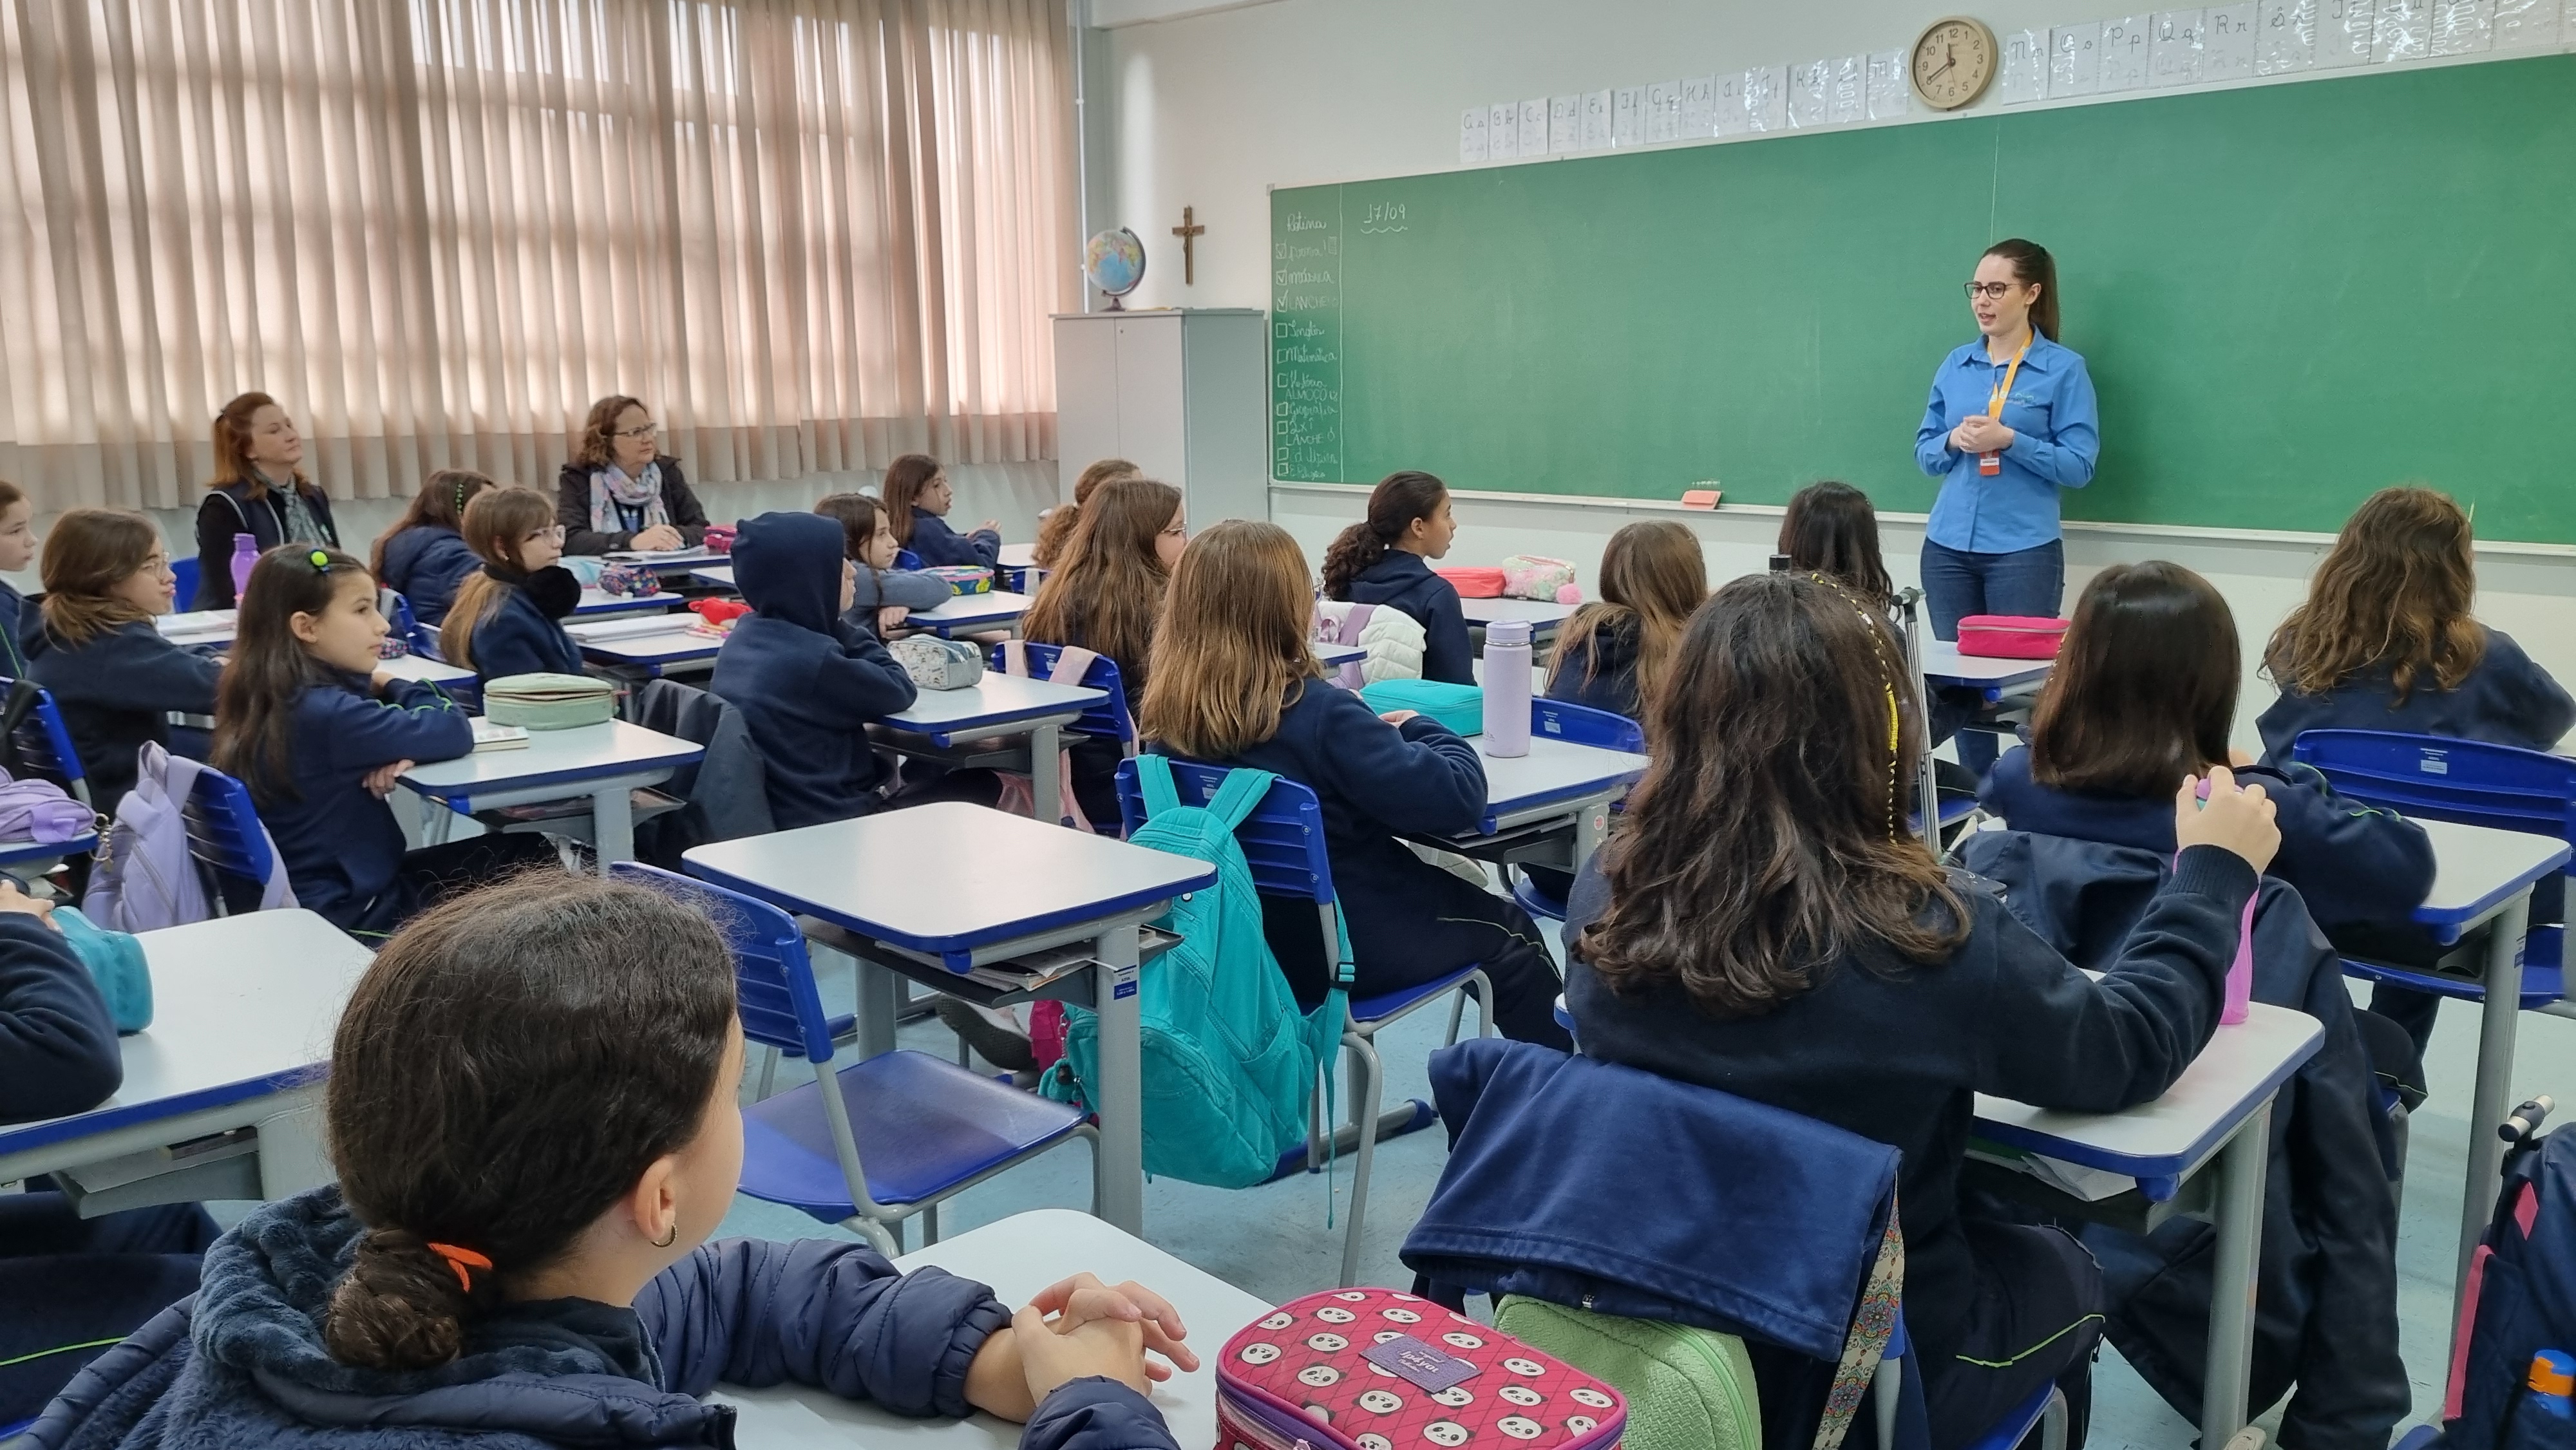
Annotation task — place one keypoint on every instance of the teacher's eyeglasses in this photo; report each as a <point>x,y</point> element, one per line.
<point>1992,291</point>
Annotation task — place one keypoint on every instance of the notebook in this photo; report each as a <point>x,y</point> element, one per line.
<point>490,736</point>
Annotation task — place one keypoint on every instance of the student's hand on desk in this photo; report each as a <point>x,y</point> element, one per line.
<point>1398,717</point>
<point>12,899</point>
<point>382,779</point>
<point>1083,1298</point>
<point>1095,1329</point>
<point>658,537</point>
<point>891,617</point>
<point>2236,820</point>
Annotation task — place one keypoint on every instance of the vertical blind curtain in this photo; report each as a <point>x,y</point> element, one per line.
<point>811,234</point>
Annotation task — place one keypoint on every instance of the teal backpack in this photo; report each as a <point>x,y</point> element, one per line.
<point>1229,1063</point>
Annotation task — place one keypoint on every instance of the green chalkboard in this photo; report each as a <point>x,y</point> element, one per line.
<point>2289,295</point>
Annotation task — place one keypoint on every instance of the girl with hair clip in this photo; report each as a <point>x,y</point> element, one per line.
<point>530,1268</point>
<point>309,721</point>
<point>881,595</point>
<point>259,489</point>
<point>1616,650</point>
<point>1762,922</point>
<point>115,678</point>
<point>1235,683</point>
<point>1055,526</point>
<point>507,618</point>
<point>424,556</point>
<point>1107,597</point>
<point>621,491</point>
<point>918,496</point>
<point>1381,560</point>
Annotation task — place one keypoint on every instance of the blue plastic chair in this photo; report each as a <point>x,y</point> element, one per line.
<point>929,1128</point>
<point>2470,782</point>
<point>906,559</point>
<point>1283,842</point>
<point>225,836</point>
<point>1109,717</point>
<point>184,570</point>
<point>45,745</point>
<point>417,637</point>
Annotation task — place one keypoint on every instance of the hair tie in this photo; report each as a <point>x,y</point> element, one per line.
<point>321,561</point>
<point>460,498</point>
<point>461,1260</point>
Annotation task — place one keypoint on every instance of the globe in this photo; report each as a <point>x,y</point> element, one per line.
<point>1115,263</point>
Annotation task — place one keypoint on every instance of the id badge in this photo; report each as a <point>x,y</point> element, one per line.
<point>1990,464</point>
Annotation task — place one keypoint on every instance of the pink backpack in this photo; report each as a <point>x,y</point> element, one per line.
<point>1019,797</point>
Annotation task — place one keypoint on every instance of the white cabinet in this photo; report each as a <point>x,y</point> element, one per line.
<point>1181,393</point>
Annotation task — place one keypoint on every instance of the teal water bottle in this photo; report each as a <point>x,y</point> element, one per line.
<point>2546,1417</point>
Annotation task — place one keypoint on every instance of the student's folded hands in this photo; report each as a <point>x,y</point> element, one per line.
<point>1077,1329</point>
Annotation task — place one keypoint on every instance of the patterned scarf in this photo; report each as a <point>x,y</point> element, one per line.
<point>611,490</point>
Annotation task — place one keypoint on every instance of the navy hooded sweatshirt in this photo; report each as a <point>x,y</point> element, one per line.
<point>937,543</point>
<point>524,634</point>
<point>1405,581</point>
<point>2349,862</point>
<point>116,691</point>
<point>2506,700</point>
<point>807,684</point>
<point>425,564</point>
<point>342,847</point>
<point>58,1050</point>
<point>1608,656</point>
<point>241,1362</point>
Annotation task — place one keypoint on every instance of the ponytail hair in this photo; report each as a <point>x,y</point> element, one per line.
<point>2033,267</point>
<point>439,504</point>
<point>268,668</point>
<point>1393,505</point>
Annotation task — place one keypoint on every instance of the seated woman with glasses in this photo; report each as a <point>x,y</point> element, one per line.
<point>621,491</point>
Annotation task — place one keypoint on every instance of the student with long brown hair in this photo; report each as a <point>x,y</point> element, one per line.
<point>424,556</point>
<point>115,678</point>
<point>1384,559</point>
<point>1762,922</point>
<point>621,491</point>
<point>917,496</point>
<point>1106,596</point>
<point>1235,683</point>
<point>259,488</point>
<point>508,617</point>
<point>881,595</point>
<point>1831,528</point>
<point>1055,527</point>
<point>2386,641</point>
<point>1616,650</point>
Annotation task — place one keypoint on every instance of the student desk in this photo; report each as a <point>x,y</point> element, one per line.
<point>213,629</point>
<point>1530,798</point>
<point>1016,1258</point>
<point>677,561</point>
<point>935,890</point>
<point>973,614</point>
<point>997,706</point>
<point>598,603</point>
<point>653,646</point>
<point>1944,665</point>
<point>1544,615</point>
<point>1020,560</point>
<point>427,671</point>
<point>604,762</point>
<point>243,1012</point>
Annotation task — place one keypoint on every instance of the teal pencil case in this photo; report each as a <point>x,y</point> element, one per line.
<point>1460,707</point>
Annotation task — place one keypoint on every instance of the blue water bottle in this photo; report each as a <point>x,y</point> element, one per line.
<point>2546,1417</point>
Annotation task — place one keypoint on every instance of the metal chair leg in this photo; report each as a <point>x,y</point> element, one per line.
<point>2052,1422</point>
<point>1887,1386</point>
<point>768,1074</point>
<point>930,1235</point>
<point>877,1235</point>
<point>1372,1077</point>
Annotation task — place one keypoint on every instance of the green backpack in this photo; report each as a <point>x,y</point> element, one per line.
<point>1687,1388</point>
<point>1229,1063</point>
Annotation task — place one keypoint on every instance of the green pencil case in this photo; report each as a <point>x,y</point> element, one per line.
<point>1460,707</point>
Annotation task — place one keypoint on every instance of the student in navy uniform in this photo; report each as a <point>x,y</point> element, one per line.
<point>881,595</point>
<point>110,671</point>
<point>308,720</point>
<point>529,1267</point>
<point>2145,692</point>
<point>17,551</point>
<point>424,556</point>
<point>508,618</point>
<point>1616,650</point>
<point>1763,922</point>
<point>1235,683</point>
<point>2385,641</point>
<point>807,685</point>
<point>1106,595</point>
<point>621,491</point>
<point>918,496</point>
<point>1380,560</point>
<point>69,1286</point>
<point>259,489</point>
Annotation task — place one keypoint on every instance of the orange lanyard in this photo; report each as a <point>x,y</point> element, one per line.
<point>1996,400</point>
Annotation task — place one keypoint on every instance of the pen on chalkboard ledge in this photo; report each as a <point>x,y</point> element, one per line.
<point>1703,497</point>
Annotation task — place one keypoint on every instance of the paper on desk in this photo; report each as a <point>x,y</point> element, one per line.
<point>2089,1184</point>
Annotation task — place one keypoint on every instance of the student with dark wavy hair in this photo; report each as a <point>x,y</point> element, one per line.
<point>1385,559</point>
<point>1762,922</point>
<point>528,1267</point>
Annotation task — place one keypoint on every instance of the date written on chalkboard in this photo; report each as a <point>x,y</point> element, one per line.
<point>1383,216</point>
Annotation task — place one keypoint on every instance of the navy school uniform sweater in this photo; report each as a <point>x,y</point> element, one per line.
<point>523,633</point>
<point>242,1361</point>
<point>425,565</point>
<point>2506,700</point>
<point>116,691</point>
<point>806,684</point>
<point>937,543</point>
<point>15,617</point>
<point>1896,1052</point>
<point>1609,657</point>
<point>342,847</point>
<point>2349,862</point>
<point>58,1050</point>
<point>1405,581</point>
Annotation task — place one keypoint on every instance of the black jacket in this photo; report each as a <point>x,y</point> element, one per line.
<point>572,510</point>
<point>117,691</point>
<point>2506,700</point>
<point>1406,582</point>
<point>230,510</point>
<point>2326,1291</point>
<point>1600,670</point>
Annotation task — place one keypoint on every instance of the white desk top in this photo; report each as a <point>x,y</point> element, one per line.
<point>2171,1135</point>
<point>1944,665</point>
<point>1019,556</point>
<point>1017,1257</point>
<point>554,757</point>
<point>424,669</point>
<point>2476,869</point>
<point>241,1006</point>
<point>675,559</point>
<point>1335,656</point>
<point>596,603</point>
<point>652,640</point>
<point>996,699</point>
<point>999,877</point>
<point>199,626</point>
<point>1543,614</point>
<point>720,575</point>
<point>997,606</point>
<point>1553,770</point>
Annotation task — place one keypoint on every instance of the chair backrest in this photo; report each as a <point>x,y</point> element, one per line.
<point>773,976</point>
<point>184,570</point>
<point>1584,725</point>
<point>1109,717</point>
<point>1283,838</point>
<point>906,559</point>
<point>2468,781</point>
<point>45,744</point>
<point>407,627</point>
<point>224,830</point>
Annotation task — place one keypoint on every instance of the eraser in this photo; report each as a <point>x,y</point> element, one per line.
<point>1700,498</point>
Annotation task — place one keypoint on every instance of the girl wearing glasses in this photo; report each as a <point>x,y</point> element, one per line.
<point>621,491</point>
<point>2011,421</point>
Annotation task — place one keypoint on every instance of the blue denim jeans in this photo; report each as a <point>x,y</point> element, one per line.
<point>1957,583</point>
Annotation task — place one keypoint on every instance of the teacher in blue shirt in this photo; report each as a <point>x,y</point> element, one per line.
<point>2011,421</point>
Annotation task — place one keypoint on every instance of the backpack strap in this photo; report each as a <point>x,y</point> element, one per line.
<point>1015,657</point>
<point>1240,795</point>
<point>1071,663</point>
<point>1154,782</point>
<point>1873,1324</point>
<point>1354,622</point>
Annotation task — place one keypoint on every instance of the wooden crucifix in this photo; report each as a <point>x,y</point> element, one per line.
<point>1189,232</point>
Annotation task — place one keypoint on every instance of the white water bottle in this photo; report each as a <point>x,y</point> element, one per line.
<point>1507,687</point>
